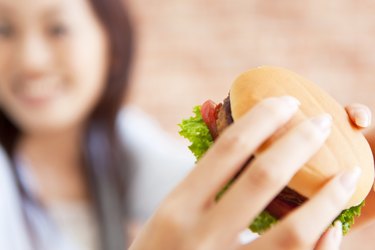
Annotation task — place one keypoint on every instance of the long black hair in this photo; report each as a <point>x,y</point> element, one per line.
<point>106,169</point>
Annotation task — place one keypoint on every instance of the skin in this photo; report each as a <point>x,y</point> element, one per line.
<point>363,232</point>
<point>53,62</point>
<point>190,219</point>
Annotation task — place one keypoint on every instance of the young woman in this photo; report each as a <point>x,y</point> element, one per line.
<point>70,156</point>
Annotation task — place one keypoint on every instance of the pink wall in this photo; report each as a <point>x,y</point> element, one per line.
<point>191,50</point>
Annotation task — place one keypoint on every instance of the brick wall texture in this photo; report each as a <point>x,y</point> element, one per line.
<point>191,50</point>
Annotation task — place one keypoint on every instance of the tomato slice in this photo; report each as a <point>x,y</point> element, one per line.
<point>209,115</point>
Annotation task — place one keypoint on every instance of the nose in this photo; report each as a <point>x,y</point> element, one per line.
<point>34,56</point>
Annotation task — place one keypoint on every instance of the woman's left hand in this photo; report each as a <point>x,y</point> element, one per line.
<point>359,115</point>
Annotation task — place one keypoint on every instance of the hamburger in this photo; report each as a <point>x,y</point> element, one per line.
<point>345,147</point>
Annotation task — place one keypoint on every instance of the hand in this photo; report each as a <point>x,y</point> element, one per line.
<point>189,218</point>
<point>361,235</point>
<point>359,115</point>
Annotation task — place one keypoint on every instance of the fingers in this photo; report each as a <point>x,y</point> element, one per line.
<point>303,227</point>
<point>267,176</point>
<point>331,239</point>
<point>235,146</point>
<point>359,114</point>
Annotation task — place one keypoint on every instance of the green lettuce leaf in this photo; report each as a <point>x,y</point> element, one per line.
<point>195,130</point>
<point>265,220</point>
<point>347,217</point>
<point>262,222</point>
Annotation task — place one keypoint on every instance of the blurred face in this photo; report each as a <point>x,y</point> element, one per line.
<point>53,63</point>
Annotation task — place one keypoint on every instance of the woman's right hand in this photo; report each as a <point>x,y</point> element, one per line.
<point>189,218</point>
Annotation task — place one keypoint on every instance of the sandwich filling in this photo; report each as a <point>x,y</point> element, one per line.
<point>287,199</point>
<point>209,122</point>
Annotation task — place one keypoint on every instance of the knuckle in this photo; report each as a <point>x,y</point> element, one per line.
<point>172,216</point>
<point>203,236</point>
<point>201,243</point>
<point>232,140</point>
<point>264,175</point>
<point>295,239</point>
<point>308,135</point>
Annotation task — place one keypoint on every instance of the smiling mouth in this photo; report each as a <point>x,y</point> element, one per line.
<point>37,92</point>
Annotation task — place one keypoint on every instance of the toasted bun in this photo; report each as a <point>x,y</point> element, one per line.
<point>345,148</point>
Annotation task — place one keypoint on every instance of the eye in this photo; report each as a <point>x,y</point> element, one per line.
<point>57,30</point>
<point>6,31</point>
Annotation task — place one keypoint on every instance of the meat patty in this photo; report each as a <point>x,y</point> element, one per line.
<point>224,118</point>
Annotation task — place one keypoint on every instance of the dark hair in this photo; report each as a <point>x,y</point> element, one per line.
<point>103,158</point>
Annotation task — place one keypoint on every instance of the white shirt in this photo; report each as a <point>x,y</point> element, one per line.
<point>161,162</point>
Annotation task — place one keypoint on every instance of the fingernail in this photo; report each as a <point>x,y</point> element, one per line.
<point>291,101</point>
<point>323,122</point>
<point>362,118</point>
<point>337,231</point>
<point>350,177</point>
<point>246,237</point>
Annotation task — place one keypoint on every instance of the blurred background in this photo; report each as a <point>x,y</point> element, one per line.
<point>191,50</point>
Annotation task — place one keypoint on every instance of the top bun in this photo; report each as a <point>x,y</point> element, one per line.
<point>345,147</point>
